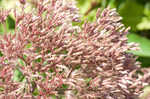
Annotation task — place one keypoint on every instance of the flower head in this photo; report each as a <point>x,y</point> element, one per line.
<point>47,55</point>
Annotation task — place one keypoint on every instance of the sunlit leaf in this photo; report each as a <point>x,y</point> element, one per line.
<point>147,9</point>
<point>21,62</point>
<point>144,24</point>
<point>84,5</point>
<point>144,45</point>
<point>132,13</point>
<point>18,76</point>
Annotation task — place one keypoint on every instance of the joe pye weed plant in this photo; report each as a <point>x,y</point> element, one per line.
<point>47,55</point>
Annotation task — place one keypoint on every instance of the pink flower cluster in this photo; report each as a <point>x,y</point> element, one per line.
<point>49,56</point>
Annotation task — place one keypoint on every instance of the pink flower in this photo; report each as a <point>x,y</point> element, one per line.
<point>48,56</point>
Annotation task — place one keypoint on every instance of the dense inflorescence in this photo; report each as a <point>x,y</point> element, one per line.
<point>47,55</point>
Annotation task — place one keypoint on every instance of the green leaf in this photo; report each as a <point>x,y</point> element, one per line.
<point>84,5</point>
<point>50,70</point>
<point>29,45</point>
<point>18,76</point>
<point>144,24</point>
<point>21,62</point>
<point>64,52</point>
<point>43,75</point>
<point>132,13</point>
<point>91,15</point>
<point>144,61</point>
<point>53,97</point>
<point>144,45</point>
<point>1,89</point>
<point>10,23</point>
<point>1,29</point>
<point>45,63</point>
<point>87,80</point>
<point>1,54</point>
<point>64,86</point>
<point>38,60</point>
<point>147,9</point>
<point>34,89</point>
<point>112,3</point>
<point>36,92</point>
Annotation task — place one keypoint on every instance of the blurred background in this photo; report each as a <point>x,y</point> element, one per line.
<point>135,14</point>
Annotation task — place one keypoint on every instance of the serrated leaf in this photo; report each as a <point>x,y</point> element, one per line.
<point>143,42</point>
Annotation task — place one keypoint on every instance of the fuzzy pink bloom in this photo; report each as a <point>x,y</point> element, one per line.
<point>48,56</point>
